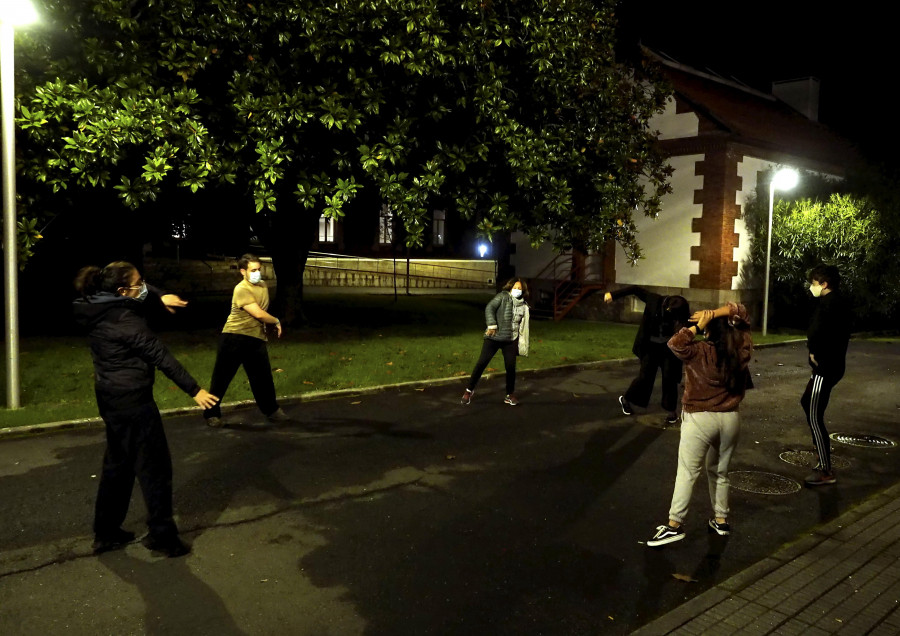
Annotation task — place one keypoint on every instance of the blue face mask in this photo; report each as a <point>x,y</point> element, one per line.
<point>142,295</point>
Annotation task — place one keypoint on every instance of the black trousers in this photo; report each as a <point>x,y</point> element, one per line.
<point>814,402</point>
<point>489,349</point>
<point>235,351</point>
<point>657,356</point>
<point>136,446</point>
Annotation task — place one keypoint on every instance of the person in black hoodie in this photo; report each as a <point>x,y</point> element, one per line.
<point>663,317</point>
<point>827,340</point>
<point>126,355</point>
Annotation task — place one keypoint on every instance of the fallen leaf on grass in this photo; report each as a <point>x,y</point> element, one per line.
<point>357,402</point>
<point>420,389</point>
<point>489,369</point>
<point>389,363</point>
<point>278,370</point>
<point>458,373</point>
<point>308,382</point>
<point>684,577</point>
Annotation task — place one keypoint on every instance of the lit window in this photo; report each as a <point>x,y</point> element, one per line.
<point>386,226</point>
<point>326,229</point>
<point>440,219</point>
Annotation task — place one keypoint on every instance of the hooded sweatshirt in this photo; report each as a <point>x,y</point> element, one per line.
<point>126,353</point>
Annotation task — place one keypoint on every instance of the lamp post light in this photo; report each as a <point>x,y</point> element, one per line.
<point>12,14</point>
<point>784,179</point>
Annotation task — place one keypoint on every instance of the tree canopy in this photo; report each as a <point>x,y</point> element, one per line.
<point>515,113</point>
<point>830,222</point>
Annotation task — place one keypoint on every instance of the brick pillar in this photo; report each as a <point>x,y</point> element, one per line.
<point>716,224</point>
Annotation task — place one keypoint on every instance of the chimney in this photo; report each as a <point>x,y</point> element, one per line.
<point>800,94</point>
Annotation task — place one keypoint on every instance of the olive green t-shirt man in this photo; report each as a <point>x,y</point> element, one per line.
<point>242,322</point>
<point>243,344</point>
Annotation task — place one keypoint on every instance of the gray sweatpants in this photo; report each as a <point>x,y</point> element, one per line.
<point>713,436</point>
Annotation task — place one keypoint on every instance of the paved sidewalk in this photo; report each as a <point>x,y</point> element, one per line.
<point>843,578</point>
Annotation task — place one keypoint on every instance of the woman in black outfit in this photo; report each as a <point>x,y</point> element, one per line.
<point>663,317</point>
<point>126,355</point>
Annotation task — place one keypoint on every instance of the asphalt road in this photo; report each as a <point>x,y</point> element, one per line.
<point>403,512</point>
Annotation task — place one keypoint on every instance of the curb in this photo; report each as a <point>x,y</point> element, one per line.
<point>96,422</point>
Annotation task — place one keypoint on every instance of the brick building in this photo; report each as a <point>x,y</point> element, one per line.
<point>721,138</point>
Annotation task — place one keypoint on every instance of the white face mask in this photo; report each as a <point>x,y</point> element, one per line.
<point>255,277</point>
<point>515,293</point>
<point>815,289</point>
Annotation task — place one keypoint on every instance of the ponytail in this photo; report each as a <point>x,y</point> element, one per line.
<point>728,339</point>
<point>92,279</point>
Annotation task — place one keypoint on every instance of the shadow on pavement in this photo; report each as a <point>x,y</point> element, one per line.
<point>176,600</point>
<point>511,586</point>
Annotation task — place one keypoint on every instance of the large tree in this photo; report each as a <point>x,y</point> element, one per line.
<point>515,113</point>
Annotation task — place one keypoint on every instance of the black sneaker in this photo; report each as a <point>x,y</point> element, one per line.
<point>626,405</point>
<point>466,397</point>
<point>171,546</point>
<point>721,529</point>
<point>214,422</point>
<point>671,418</point>
<point>112,541</point>
<point>665,534</point>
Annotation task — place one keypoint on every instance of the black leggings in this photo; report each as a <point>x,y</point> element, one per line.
<point>814,402</point>
<point>489,349</point>
<point>234,351</point>
<point>656,356</point>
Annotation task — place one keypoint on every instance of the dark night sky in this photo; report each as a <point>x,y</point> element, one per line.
<point>849,49</point>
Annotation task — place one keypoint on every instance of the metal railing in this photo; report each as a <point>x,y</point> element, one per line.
<point>418,268</point>
<point>570,283</point>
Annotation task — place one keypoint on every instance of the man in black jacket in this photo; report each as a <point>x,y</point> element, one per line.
<point>663,316</point>
<point>827,340</point>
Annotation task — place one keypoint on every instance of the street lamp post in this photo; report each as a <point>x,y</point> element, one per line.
<point>12,14</point>
<point>784,179</point>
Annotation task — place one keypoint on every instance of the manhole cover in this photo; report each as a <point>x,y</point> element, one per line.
<point>762,483</point>
<point>865,441</point>
<point>809,459</point>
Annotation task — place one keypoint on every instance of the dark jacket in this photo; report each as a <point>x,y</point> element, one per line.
<point>499,312</point>
<point>126,353</point>
<point>656,327</point>
<point>829,335</point>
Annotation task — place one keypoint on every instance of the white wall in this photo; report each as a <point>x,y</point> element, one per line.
<point>666,241</point>
<point>674,126</point>
<point>528,261</point>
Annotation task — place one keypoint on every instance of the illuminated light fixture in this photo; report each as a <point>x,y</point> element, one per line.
<point>784,179</point>
<point>482,249</point>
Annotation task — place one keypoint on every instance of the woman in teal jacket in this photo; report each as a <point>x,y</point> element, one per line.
<point>507,331</point>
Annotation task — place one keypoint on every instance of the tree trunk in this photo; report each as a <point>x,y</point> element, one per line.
<point>292,232</point>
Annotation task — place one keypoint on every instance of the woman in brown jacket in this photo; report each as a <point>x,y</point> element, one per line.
<point>716,377</point>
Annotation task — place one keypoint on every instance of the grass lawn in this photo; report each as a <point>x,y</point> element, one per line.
<point>353,341</point>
